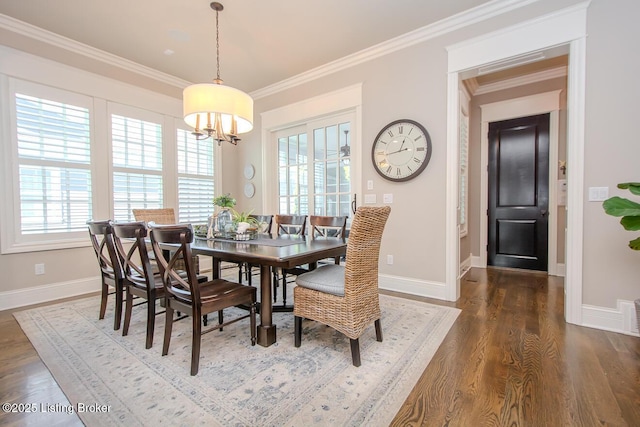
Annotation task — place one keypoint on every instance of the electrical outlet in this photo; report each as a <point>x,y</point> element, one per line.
<point>390,259</point>
<point>39,269</point>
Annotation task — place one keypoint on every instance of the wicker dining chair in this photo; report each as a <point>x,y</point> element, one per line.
<point>111,274</point>
<point>346,297</point>
<point>164,216</point>
<point>187,295</point>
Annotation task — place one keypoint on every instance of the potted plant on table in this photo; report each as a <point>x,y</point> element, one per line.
<point>224,220</point>
<point>630,213</point>
<point>244,221</point>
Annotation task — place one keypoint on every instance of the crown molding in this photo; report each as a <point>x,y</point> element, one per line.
<point>444,26</point>
<point>517,81</point>
<point>36,33</point>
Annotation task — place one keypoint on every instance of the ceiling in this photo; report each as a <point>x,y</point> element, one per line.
<point>261,42</point>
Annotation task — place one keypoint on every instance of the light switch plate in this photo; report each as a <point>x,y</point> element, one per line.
<point>598,194</point>
<point>387,198</point>
<point>370,184</point>
<point>370,198</point>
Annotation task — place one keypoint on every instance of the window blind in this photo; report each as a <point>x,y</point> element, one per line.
<point>137,163</point>
<point>54,155</point>
<point>196,188</point>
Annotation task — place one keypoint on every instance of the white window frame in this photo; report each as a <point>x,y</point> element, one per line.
<point>166,139</point>
<point>215,178</point>
<point>13,241</point>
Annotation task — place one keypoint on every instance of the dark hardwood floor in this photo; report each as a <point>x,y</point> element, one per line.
<point>509,360</point>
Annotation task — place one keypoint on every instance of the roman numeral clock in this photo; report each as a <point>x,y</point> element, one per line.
<point>401,151</point>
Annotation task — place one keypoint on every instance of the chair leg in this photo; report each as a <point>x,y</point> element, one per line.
<point>297,331</point>
<point>276,278</point>
<point>240,272</point>
<point>355,352</point>
<point>205,320</point>
<point>284,288</point>
<point>127,313</point>
<point>117,318</point>
<point>220,319</point>
<point>103,301</point>
<point>252,318</point>
<point>378,326</point>
<point>151,321</point>
<point>168,325</point>
<point>196,338</point>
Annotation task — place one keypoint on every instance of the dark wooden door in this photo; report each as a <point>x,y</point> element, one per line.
<point>519,193</point>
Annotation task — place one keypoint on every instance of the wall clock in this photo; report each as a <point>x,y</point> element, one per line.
<point>401,151</point>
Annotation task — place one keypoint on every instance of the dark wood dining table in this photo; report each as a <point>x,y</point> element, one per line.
<point>267,252</point>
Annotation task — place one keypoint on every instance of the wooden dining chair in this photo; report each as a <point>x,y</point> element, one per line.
<point>346,297</point>
<point>265,222</point>
<point>111,274</point>
<point>328,227</point>
<point>293,225</point>
<point>186,295</point>
<point>163,216</point>
<point>140,280</point>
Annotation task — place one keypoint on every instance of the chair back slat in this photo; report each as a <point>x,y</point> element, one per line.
<point>101,236</point>
<point>136,262</point>
<point>291,224</point>
<point>265,222</point>
<point>328,226</point>
<point>175,283</point>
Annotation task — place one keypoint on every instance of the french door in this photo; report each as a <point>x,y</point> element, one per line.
<point>314,167</point>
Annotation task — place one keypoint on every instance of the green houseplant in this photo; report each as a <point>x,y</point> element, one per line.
<point>630,213</point>
<point>244,221</point>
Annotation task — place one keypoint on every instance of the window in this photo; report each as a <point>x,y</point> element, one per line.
<point>324,162</point>
<point>54,155</point>
<point>195,177</point>
<point>137,165</point>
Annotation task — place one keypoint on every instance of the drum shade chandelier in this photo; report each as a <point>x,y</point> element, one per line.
<point>215,110</point>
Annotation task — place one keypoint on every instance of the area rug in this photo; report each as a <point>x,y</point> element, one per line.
<point>117,382</point>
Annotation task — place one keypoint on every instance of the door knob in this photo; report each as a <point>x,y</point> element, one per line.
<point>543,212</point>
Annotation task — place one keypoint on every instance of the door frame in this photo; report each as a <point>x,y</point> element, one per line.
<point>563,28</point>
<point>533,105</point>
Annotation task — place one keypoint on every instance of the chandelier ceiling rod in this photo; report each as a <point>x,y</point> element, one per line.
<point>223,111</point>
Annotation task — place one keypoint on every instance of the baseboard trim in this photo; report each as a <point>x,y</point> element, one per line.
<point>465,266</point>
<point>476,261</point>
<point>47,293</point>
<point>423,288</point>
<point>621,319</point>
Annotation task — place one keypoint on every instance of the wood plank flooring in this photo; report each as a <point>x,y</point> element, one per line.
<point>509,360</point>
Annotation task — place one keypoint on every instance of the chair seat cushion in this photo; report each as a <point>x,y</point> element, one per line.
<point>327,278</point>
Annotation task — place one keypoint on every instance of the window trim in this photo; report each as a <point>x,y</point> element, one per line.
<point>12,240</point>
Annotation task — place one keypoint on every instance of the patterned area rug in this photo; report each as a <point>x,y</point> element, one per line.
<point>238,384</point>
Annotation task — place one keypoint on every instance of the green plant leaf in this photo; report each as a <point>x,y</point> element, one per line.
<point>631,223</point>
<point>635,244</point>
<point>634,187</point>
<point>618,206</point>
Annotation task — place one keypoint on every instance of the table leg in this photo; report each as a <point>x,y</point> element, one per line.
<point>266,329</point>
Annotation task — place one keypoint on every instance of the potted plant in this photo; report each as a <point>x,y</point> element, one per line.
<point>244,221</point>
<point>224,221</point>
<point>630,213</point>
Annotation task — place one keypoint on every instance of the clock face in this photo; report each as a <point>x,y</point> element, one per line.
<point>401,150</point>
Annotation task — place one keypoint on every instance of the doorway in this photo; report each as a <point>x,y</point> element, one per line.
<point>565,29</point>
<point>519,193</point>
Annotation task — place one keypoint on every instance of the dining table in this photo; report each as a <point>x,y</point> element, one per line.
<point>268,252</point>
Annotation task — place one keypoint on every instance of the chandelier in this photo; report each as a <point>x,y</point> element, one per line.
<point>214,110</point>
